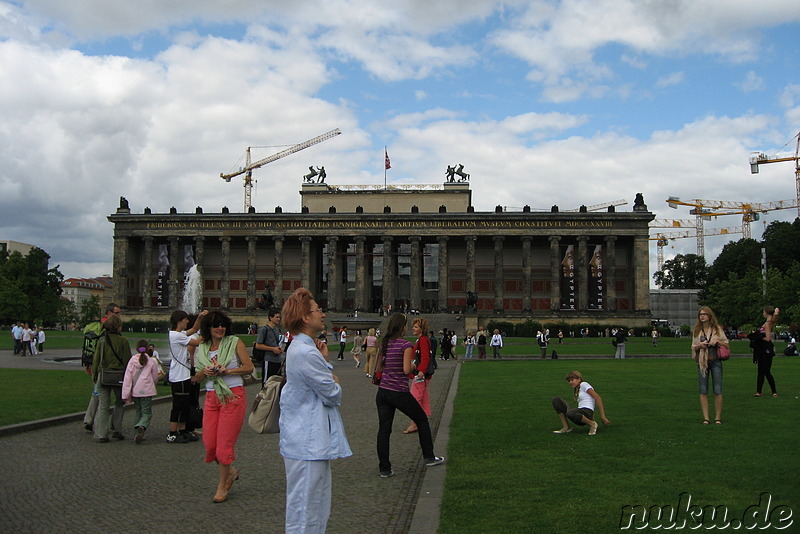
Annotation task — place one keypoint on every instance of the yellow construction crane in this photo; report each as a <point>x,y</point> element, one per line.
<point>662,239</point>
<point>760,158</point>
<point>750,211</point>
<point>247,170</point>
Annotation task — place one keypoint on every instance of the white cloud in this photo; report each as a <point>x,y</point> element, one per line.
<point>752,82</point>
<point>674,78</point>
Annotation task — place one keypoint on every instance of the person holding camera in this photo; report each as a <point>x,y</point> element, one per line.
<point>222,360</point>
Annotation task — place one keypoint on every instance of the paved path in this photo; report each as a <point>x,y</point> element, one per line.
<point>56,479</point>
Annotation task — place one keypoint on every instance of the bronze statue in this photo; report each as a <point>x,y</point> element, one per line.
<point>464,177</point>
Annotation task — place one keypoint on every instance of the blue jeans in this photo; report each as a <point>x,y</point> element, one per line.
<point>715,371</point>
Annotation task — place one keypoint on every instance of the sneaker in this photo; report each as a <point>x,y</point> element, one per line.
<point>436,460</point>
<point>117,435</point>
<point>593,428</point>
<point>177,438</point>
<point>139,435</point>
<point>191,436</point>
<point>102,440</point>
<point>387,474</point>
<point>89,427</point>
<point>562,431</point>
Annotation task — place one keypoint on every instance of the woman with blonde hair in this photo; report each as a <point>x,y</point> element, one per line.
<point>764,350</point>
<point>707,337</point>
<point>423,371</point>
<point>311,429</point>
<point>371,341</point>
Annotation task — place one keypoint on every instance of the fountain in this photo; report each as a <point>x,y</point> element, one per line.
<point>192,291</point>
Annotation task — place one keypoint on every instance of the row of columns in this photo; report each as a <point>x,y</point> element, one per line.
<point>334,289</point>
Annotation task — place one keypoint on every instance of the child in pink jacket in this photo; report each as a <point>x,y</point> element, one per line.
<point>139,385</point>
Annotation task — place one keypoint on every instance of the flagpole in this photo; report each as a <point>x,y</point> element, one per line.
<point>384,166</point>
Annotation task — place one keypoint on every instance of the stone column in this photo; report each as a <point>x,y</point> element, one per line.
<point>199,257</point>
<point>389,269</point>
<point>498,273</point>
<point>526,273</point>
<point>305,262</point>
<point>416,272</point>
<point>252,241</point>
<point>225,282</point>
<point>470,260</point>
<point>555,273</point>
<point>360,298</point>
<point>444,289</point>
<point>334,284</point>
<point>641,274</point>
<point>581,274</point>
<point>610,272</point>
<point>147,273</point>
<point>121,270</point>
<point>277,277</point>
<point>174,281</point>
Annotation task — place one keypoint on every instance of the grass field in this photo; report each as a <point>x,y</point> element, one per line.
<point>507,471</point>
<point>28,395</point>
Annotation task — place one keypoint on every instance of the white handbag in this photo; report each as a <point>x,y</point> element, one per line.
<point>266,410</point>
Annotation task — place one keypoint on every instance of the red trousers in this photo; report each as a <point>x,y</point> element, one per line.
<point>222,424</point>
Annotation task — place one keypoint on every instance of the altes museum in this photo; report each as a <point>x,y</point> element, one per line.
<point>372,248</point>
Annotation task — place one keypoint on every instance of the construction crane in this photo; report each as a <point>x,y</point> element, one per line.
<point>247,170</point>
<point>662,239</point>
<point>750,211</point>
<point>760,158</point>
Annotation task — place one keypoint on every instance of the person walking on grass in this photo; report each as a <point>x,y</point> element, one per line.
<point>586,400</point>
<point>139,387</point>
<point>708,335</point>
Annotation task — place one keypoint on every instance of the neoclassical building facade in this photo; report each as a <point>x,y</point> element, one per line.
<point>376,248</point>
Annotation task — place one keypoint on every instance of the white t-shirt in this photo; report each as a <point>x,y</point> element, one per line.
<point>232,380</point>
<point>584,399</point>
<point>179,366</point>
<point>343,336</point>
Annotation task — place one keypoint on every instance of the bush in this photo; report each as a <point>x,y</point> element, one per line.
<point>506,328</point>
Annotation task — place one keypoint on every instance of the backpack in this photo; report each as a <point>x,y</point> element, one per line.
<point>481,340</point>
<point>554,355</point>
<point>91,335</point>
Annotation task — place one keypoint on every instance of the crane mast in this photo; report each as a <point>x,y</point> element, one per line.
<point>761,158</point>
<point>247,170</point>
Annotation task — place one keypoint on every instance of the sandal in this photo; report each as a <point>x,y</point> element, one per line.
<point>705,421</point>
<point>757,395</point>
<point>717,421</point>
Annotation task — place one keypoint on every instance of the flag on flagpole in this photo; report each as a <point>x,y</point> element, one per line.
<point>388,163</point>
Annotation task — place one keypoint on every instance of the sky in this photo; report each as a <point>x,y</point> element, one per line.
<point>568,103</point>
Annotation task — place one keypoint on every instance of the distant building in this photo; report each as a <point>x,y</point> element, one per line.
<point>15,246</point>
<point>369,248</point>
<point>79,290</point>
<point>677,306</point>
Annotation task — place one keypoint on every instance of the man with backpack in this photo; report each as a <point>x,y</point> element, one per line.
<point>91,337</point>
<point>267,350</point>
<point>481,344</point>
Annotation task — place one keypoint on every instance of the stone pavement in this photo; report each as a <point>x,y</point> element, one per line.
<point>57,479</point>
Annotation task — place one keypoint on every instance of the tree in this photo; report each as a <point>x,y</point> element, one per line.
<point>29,289</point>
<point>782,243</point>
<point>736,257</point>
<point>90,309</point>
<point>736,301</point>
<point>687,271</point>
<point>67,312</point>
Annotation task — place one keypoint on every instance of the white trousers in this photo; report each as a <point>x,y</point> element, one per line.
<point>308,496</point>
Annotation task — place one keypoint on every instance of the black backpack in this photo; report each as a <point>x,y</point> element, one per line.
<point>481,340</point>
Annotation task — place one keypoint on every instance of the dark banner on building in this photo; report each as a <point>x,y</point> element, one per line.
<point>596,278</point>
<point>162,279</point>
<point>568,290</point>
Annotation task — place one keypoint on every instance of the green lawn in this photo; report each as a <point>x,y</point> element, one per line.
<point>28,395</point>
<point>507,471</point>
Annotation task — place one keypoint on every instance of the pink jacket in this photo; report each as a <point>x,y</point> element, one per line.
<point>145,385</point>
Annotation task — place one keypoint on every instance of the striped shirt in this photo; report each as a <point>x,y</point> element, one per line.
<point>393,378</point>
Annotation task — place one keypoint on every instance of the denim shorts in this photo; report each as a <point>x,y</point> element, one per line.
<point>715,372</point>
